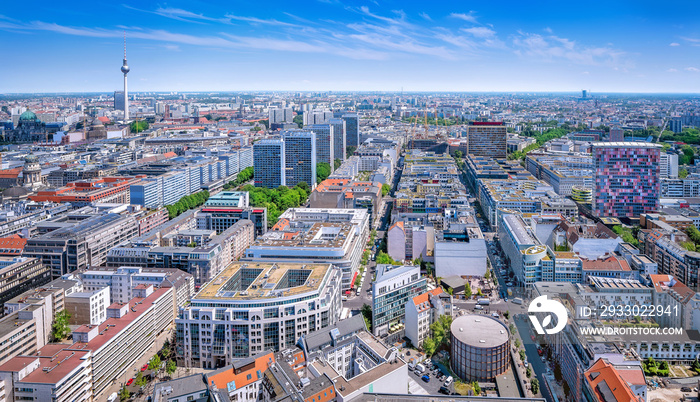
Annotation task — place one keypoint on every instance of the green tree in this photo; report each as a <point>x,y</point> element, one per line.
<point>535,385</point>
<point>59,328</point>
<point>682,173</point>
<point>366,311</point>
<point>506,315</point>
<point>171,367</point>
<point>476,387</point>
<point>522,354</point>
<point>528,372</point>
<point>385,189</point>
<point>349,151</point>
<point>429,346</point>
<point>458,154</point>
<point>323,170</point>
<point>154,363</point>
<point>690,246</point>
<point>467,290</point>
<point>138,126</point>
<point>693,233</point>
<point>383,258</point>
<point>124,394</point>
<point>140,379</point>
<point>299,120</point>
<point>336,163</point>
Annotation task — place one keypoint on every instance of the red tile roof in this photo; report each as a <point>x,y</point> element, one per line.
<point>606,382</point>
<point>10,173</point>
<point>421,299</point>
<point>243,378</point>
<point>611,263</point>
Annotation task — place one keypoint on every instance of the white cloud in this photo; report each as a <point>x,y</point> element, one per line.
<point>470,17</point>
<point>672,70</point>
<point>255,20</point>
<point>693,69</point>
<point>674,44</point>
<point>425,16</point>
<point>551,48</point>
<point>480,32</point>
<point>548,30</point>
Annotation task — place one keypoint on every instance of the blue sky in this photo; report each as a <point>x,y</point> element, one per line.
<point>603,46</point>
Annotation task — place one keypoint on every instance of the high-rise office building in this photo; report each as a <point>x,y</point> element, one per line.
<point>280,115</point>
<point>299,157</point>
<point>118,100</point>
<point>316,116</point>
<point>268,163</point>
<point>617,134</point>
<point>668,166</point>
<point>338,138</point>
<point>324,142</point>
<point>676,124</point>
<point>626,178</point>
<point>487,139</point>
<point>352,129</point>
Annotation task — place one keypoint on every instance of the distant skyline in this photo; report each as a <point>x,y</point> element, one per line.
<point>455,46</point>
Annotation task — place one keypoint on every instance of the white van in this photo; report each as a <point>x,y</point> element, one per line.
<point>448,381</point>
<point>420,368</point>
<point>113,397</point>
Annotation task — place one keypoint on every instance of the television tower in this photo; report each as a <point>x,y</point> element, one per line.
<point>125,70</point>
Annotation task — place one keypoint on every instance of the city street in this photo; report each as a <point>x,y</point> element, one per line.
<point>133,370</point>
<point>538,368</point>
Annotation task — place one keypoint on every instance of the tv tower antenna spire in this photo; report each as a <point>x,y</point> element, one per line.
<point>125,70</point>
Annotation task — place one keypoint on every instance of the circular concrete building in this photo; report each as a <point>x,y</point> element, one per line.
<point>479,347</point>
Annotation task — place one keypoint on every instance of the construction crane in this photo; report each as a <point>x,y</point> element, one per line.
<point>413,132</point>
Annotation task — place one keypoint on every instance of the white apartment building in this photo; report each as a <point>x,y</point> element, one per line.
<point>254,307</point>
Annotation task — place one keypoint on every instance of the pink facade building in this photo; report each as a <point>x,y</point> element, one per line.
<point>626,178</point>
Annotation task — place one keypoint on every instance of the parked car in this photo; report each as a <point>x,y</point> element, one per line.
<point>145,367</point>
<point>686,389</point>
<point>131,380</point>
<point>425,378</point>
<point>444,390</point>
<point>417,372</point>
<point>478,307</point>
<point>448,381</point>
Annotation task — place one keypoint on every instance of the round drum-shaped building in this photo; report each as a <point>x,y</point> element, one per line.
<point>479,348</point>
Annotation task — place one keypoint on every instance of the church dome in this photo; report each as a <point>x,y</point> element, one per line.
<point>15,192</point>
<point>28,116</point>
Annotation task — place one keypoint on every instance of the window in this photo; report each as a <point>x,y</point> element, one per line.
<point>190,398</point>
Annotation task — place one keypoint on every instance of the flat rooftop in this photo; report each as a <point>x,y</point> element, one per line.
<point>478,330</point>
<point>319,235</point>
<point>250,281</point>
